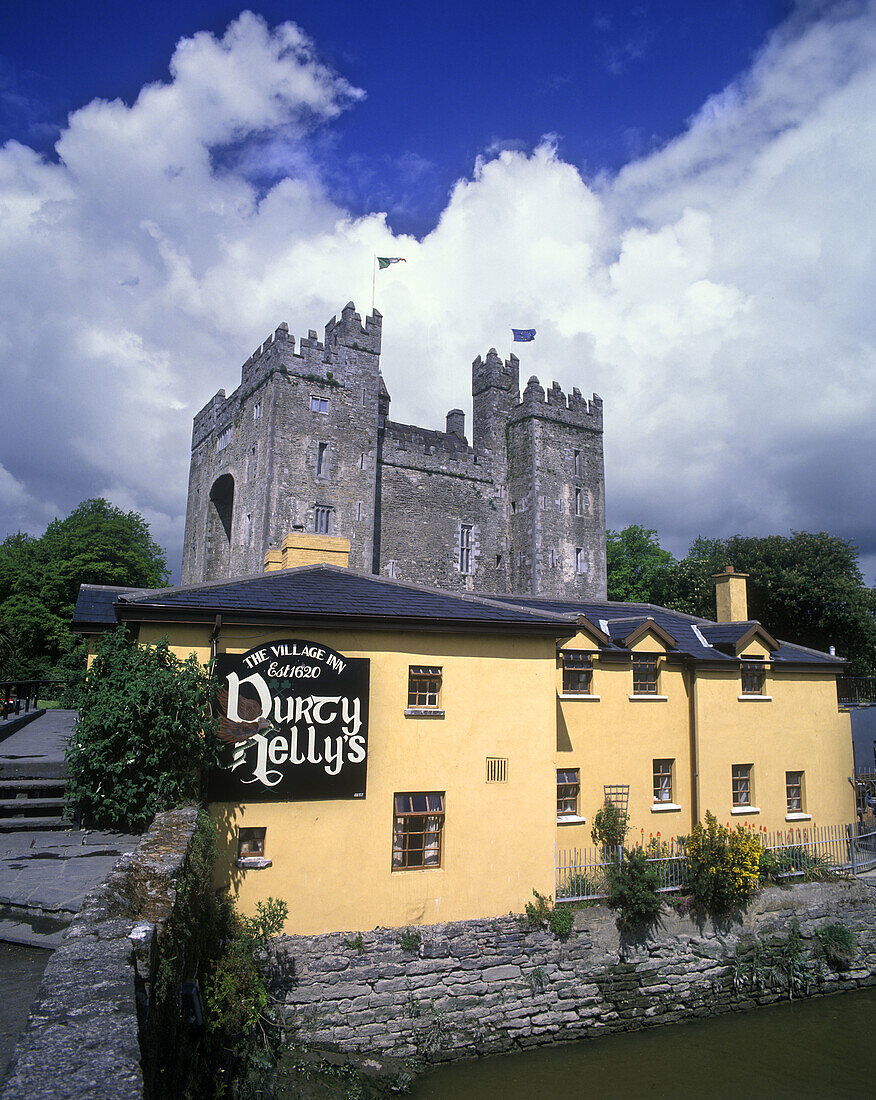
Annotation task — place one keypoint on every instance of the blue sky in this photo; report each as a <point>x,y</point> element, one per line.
<point>678,196</point>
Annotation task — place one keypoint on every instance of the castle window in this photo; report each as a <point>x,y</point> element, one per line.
<point>319,405</point>
<point>321,459</point>
<point>579,502</point>
<point>418,823</point>
<point>465,547</point>
<point>223,439</point>
<point>257,410</point>
<point>362,461</point>
<point>552,559</point>
<point>358,509</point>
<point>580,560</point>
<point>577,672</point>
<point>322,520</point>
<point>568,789</point>
<point>579,464</point>
<point>247,528</point>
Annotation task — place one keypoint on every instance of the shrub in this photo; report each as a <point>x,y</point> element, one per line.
<point>633,890</point>
<point>610,826</point>
<point>410,941</point>
<point>538,913</point>
<point>839,945</point>
<point>794,861</point>
<point>561,920</point>
<point>142,735</point>
<point>723,865</point>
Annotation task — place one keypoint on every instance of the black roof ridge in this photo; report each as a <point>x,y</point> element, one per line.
<point>343,571</point>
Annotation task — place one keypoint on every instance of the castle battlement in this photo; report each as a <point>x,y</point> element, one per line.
<point>554,404</point>
<point>491,372</point>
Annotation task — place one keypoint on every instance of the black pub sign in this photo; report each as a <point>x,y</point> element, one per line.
<point>293,721</point>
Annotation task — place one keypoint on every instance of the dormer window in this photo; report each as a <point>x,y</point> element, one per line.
<point>753,676</point>
<point>577,672</point>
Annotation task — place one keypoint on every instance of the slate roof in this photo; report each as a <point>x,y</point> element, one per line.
<point>94,604</point>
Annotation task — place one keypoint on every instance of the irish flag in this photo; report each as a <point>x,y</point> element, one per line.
<point>385,261</point>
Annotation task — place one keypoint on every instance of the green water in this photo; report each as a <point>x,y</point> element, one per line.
<point>825,1047</point>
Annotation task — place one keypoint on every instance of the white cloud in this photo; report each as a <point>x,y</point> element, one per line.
<point>717,293</point>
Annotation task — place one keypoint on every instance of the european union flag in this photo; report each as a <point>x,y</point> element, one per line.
<point>523,335</point>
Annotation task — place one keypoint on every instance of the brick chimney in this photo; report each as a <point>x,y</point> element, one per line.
<point>731,596</point>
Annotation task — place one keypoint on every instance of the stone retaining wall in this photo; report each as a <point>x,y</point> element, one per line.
<point>81,1039</point>
<point>476,987</point>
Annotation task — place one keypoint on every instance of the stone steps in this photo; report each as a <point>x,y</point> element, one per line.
<point>31,804</point>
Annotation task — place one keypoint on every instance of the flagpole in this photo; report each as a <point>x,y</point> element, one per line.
<point>373,280</point>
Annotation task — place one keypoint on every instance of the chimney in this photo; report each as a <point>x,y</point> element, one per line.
<point>731,596</point>
<point>301,548</point>
<point>456,423</point>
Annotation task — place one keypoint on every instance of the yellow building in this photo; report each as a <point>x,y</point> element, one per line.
<point>400,755</point>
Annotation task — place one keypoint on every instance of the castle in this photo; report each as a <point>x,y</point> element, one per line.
<point>305,443</point>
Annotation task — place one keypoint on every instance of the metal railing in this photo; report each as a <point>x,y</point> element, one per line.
<point>856,691</point>
<point>20,696</point>
<point>582,874</point>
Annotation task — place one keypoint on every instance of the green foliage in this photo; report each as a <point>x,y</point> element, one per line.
<point>794,861</point>
<point>839,945</point>
<point>356,944</point>
<point>410,941</point>
<point>633,890</point>
<point>609,830</point>
<point>537,913</point>
<point>40,577</point>
<point>561,920</point>
<point>723,866</point>
<point>639,569</point>
<point>143,733</point>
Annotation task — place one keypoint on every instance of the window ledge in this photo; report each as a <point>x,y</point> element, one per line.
<point>580,696</point>
<point>798,817</point>
<point>254,863</point>
<point>571,819</point>
<point>665,807</point>
<point>745,810</point>
<point>755,698</point>
<point>649,698</point>
<point>422,712</point>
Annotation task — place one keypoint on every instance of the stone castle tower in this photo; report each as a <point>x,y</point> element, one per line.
<point>305,443</point>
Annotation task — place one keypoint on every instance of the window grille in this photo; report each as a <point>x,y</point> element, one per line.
<point>465,547</point>
<point>794,789</point>
<point>742,784</point>
<point>753,677</point>
<point>568,789</point>
<point>577,672</point>
<point>321,520</point>
<point>663,780</point>
<point>497,769</point>
<point>644,675</point>
<point>424,688</point>
<point>418,823</point>
<point>223,439</point>
<point>319,405</point>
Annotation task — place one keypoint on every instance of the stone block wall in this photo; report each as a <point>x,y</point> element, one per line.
<point>479,987</point>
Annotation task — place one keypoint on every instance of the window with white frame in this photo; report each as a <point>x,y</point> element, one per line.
<point>577,672</point>
<point>663,780</point>
<point>741,783</point>
<point>319,404</point>
<point>465,530</point>
<point>794,792</point>
<point>418,824</point>
<point>322,518</point>
<point>424,688</point>
<point>568,789</point>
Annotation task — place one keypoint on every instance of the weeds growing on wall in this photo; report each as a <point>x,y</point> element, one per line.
<point>633,889</point>
<point>542,914</point>
<point>839,945</point>
<point>723,866</point>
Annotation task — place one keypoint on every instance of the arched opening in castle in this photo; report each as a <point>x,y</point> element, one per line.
<point>305,443</point>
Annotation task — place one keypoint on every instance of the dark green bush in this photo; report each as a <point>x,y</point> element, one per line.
<point>839,944</point>
<point>143,734</point>
<point>610,825</point>
<point>561,919</point>
<point>633,890</point>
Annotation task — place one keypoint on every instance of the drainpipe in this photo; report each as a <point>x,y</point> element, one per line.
<point>214,637</point>
<point>694,745</point>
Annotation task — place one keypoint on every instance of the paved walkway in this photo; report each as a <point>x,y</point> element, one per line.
<point>38,748</point>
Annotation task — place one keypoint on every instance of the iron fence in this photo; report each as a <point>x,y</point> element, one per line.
<point>855,691</point>
<point>20,696</point>
<point>582,874</point>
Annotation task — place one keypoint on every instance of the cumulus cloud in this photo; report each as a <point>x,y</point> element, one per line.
<point>717,292</point>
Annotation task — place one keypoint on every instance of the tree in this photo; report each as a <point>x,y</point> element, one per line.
<point>144,730</point>
<point>806,588</point>
<point>639,569</point>
<point>40,577</point>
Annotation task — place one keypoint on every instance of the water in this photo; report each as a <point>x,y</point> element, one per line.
<point>822,1048</point>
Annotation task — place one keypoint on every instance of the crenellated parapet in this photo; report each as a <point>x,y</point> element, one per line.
<point>573,409</point>
<point>492,373</point>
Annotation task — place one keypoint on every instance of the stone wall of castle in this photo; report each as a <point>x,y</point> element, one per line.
<point>305,443</point>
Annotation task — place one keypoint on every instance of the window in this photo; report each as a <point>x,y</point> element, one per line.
<point>465,547</point>
<point>424,688</point>
<point>568,789</point>
<point>362,461</point>
<point>416,833</point>
<point>580,563</point>
<point>552,559</point>
<point>579,502</point>
<point>577,672</point>
<point>579,464</point>
<point>257,410</point>
<point>321,459</point>
<point>663,780</point>
<point>358,509</point>
<point>247,528</point>
<point>753,677</point>
<point>497,769</point>
<point>742,784</point>
<point>250,842</point>
<point>321,520</point>
<point>319,405</point>
<point>794,789</point>
<point>644,675</point>
<point>223,439</point>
